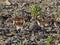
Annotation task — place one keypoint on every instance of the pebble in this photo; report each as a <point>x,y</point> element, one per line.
<point>33,32</point>
<point>7,2</point>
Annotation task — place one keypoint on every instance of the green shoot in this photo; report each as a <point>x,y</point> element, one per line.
<point>36,11</point>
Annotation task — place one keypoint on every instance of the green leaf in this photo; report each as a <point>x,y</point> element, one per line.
<point>48,40</point>
<point>36,10</point>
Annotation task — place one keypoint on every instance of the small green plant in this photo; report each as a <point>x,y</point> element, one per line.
<point>48,40</point>
<point>36,11</point>
<point>55,15</point>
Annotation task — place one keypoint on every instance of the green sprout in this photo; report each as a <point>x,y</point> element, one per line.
<point>55,14</point>
<point>36,11</point>
<point>48,41</point>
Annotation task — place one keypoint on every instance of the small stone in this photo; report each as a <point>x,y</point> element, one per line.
<point>58,44</point>
<point>7,2</point>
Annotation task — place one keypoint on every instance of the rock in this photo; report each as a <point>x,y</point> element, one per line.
<point>9,35</point>
<point>7,2</point>
<point>58,44</point>
<point>1,7</point>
